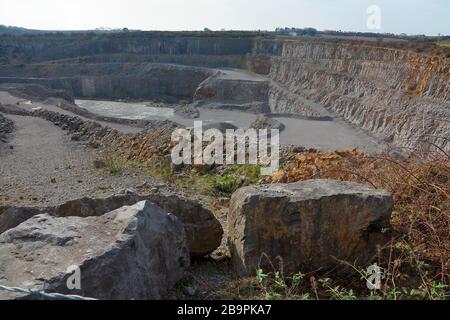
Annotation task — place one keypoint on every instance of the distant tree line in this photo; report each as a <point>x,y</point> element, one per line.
<point>7,31</point>
<point>296,31</point>
<point>291,31</point>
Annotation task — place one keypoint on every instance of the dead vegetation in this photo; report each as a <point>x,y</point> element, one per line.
<point>417,262</point>
<point>415,265</point>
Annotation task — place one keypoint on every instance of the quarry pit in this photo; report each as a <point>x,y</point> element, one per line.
<point>386,92</point>
<point>70,105</point>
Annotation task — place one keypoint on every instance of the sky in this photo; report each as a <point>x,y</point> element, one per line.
<point>429,17</point>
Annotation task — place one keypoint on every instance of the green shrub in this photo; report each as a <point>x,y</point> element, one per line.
<point>226,185</point>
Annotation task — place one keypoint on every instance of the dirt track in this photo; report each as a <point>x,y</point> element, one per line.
<point>7,98</point>
<point>46,168</point>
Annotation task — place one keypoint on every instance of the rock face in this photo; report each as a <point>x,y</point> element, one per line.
<point>117,81</point>
<point>203,231</point>
<point>307,224</point>
<point>136,252</point>
<point>165,47</point>
<point>231,89</point>
<point>388,88</point>
<point>398,95</point>
<point>36,92</point>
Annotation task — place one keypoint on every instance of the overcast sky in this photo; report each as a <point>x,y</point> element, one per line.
<point>397,16</point>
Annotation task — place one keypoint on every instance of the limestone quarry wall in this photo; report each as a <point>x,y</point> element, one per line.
<point>398,95</point>
<point>236,90</point>
<point>161,47</point>
<point>199,60</point>
<point>114,80</point>
<point>401,96</point>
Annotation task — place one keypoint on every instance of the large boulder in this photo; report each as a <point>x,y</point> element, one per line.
<point>310,225</point>
<point>203,231</point>
<point>135,252</point>
<point>11,216</point>
<point>88,207</point>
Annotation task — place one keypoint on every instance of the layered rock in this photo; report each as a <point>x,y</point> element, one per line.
<point>187,48</point>
<point>233,89</point>
<point>112,81</point>
<point>398,95</point>
<point>310,225</point>
<point>36,92</point>
<point>136,252</point>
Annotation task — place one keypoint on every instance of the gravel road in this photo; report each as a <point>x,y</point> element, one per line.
<point>46,168</point>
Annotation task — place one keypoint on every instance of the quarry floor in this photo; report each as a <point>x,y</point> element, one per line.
<point>46,168</point>
<point>324,135</point>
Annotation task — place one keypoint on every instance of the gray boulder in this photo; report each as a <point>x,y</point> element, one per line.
<point>135,252</point>
<point>308,224</point>
<point>88,207</point>
<point>11,216</point>
<point>203,231</point>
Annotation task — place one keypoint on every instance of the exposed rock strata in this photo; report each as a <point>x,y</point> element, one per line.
<point>112,81</point>
<point>398,95</point>
<point>36,92</point>
<point>158,47</point>
<point>233,89</point>
<point>401,96</point>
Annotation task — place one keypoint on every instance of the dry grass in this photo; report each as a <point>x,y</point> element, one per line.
<point>415,264</point>
<point>418,259</point>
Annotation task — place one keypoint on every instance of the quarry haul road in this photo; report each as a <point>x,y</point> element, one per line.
<point>7,98</point>
<point>46,168</point>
